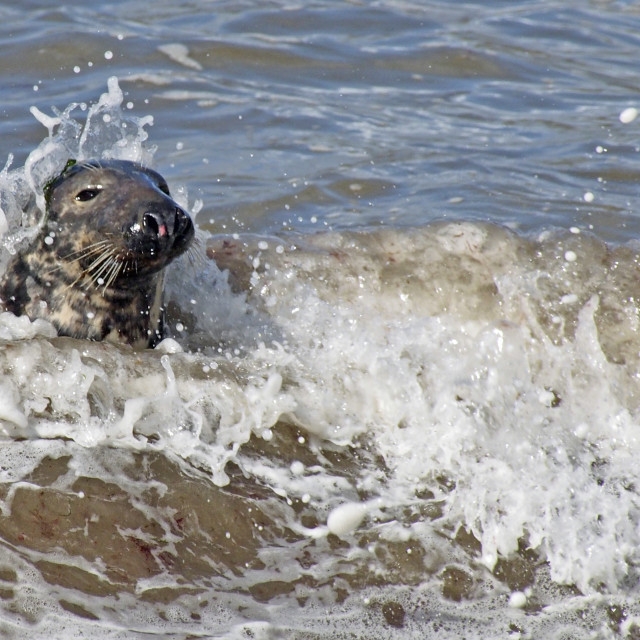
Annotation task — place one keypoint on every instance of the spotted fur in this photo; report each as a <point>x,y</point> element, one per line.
<point>96,269</point>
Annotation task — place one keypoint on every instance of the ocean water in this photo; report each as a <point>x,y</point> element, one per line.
<point>400,394</point>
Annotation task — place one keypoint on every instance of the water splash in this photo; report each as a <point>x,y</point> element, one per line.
<point>106,132</point>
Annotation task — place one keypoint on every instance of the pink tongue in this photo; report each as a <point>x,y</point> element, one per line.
<point>162,230</point>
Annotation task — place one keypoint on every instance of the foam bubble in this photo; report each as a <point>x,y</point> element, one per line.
<point>344,519</point>
<point>517,600</point>
<point>570,256</point>
<point>628,115</point>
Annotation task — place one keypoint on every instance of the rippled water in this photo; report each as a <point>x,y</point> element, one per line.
<point>401,395</point>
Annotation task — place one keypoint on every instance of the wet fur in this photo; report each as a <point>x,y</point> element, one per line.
<point>96,269</point>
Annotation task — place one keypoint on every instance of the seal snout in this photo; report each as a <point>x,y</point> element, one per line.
<point>166,225</point>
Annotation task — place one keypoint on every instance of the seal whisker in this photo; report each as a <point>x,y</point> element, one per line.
<point>99,261</point>
<point>89,166</point>
<point>88,270</point>
<point>91,249</point>
<point>113,274</point>
<point>100,266</point>
<point>195,255</point>
<point>92,165</point>
<point>82,274</point>
<point>127,264</point>
<point>82,253</point>
<point>100,277</point>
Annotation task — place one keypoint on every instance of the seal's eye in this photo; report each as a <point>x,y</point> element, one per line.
<point>87,194</point>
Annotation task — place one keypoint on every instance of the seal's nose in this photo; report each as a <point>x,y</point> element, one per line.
<point>173,223</point>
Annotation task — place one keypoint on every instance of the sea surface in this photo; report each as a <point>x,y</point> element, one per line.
<point>400,393</point>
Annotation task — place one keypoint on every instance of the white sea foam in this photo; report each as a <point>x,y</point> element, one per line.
<point>180,53</point>
<point>435,345</point>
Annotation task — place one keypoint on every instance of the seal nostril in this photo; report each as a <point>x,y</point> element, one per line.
<point>153,224</point>
<point>150,222</point>
<point>182,222</point>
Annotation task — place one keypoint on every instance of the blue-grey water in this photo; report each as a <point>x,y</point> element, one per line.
<point>402,398</point>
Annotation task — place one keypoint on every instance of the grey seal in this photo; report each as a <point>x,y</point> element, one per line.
<point>96,269</point>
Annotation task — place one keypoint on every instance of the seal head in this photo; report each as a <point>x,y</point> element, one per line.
<point>96,269</point>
